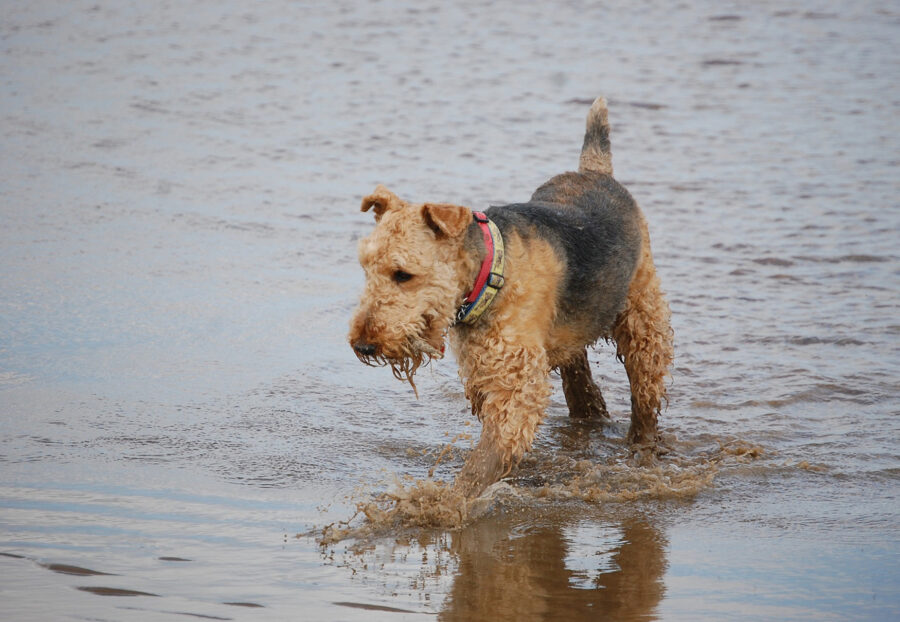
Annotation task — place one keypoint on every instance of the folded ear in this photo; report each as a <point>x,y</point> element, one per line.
<point>448,220</point>
<point>381,200</point>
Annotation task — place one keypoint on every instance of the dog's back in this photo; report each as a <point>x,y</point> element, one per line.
<point>594,226</point>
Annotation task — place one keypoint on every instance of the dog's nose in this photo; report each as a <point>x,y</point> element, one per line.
<point>366,349</point>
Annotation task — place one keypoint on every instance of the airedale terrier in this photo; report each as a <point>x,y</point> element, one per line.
<point>520,290</point>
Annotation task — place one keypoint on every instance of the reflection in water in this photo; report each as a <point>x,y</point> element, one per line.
<point>554,572</point>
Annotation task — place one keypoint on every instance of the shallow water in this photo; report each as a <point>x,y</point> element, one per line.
<point>179,189</point>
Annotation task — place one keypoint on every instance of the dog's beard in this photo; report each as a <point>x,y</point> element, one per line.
<point>416,352</point>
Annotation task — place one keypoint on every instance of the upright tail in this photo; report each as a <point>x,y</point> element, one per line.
<point>595,154</point>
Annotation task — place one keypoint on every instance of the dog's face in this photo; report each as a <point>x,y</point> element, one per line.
<point>412,262</point>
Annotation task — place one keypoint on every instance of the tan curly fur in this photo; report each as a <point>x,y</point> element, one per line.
<point>503,360</point>
<point>644,343</point>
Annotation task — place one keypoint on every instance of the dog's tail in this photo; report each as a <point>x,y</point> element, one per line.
<point>595,154</point>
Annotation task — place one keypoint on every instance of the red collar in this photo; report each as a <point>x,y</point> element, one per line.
<point>490,275</point>
<point>485,271</point>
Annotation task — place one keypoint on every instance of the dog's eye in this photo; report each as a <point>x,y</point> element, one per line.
<point>402,277</point>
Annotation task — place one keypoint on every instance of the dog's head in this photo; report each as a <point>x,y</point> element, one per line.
<point>417,269</point>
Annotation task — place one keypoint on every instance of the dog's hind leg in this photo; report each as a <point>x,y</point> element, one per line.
<point>582,393</point>
<point>643,339</point>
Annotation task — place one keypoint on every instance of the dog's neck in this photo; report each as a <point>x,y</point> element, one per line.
<point>489,280</point>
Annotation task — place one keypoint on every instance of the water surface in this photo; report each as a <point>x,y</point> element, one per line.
<point>179,190</point>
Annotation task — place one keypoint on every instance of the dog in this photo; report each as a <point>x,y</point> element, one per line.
<point>520,290</point>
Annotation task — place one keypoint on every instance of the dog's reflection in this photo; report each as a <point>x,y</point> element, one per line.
<point>556,572</point>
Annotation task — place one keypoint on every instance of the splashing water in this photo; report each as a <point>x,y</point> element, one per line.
<point>426,503</point>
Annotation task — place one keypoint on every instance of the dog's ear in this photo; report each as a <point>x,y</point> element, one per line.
<point>447,220</point>
<point>381,200</point>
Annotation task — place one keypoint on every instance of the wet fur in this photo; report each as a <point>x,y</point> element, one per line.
<point>595,234</point>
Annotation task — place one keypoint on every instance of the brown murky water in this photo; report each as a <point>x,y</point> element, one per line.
<point>178,195</point>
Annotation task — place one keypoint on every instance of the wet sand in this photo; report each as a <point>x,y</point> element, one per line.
<point>179,190</point>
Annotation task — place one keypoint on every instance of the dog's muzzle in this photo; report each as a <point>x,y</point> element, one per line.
<point>365,349</point>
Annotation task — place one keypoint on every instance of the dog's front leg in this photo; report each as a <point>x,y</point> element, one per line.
<point>509,389</point>
<point>484,466</point>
